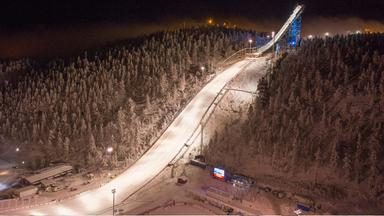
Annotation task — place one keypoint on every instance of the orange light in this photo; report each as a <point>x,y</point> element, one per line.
<point>210,21</point>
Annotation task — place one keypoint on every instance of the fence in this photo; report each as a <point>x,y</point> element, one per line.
<point>235,57</point>
<point>19,203</point>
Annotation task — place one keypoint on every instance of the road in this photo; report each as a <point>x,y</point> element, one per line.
<point>151,163</point>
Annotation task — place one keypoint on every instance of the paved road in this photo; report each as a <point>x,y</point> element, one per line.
<point>151,163</point>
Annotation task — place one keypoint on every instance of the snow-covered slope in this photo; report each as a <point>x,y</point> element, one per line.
<point>162,152</point>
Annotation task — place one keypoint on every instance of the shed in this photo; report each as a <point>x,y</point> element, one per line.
<point>49,172</point>
<point>26,191</point>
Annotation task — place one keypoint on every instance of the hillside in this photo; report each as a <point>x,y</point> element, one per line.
<point>121,96</point>
<point>317,124</point>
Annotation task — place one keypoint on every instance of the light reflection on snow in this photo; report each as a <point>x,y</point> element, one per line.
<point>36,213</point>
<point>3,186</point>
<point>64,211</point>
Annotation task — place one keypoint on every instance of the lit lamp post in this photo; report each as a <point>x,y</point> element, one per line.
<point>326,34</point>
<point>113,201</point>
<point>202,68</point>
<point>250,45</point>
<point>310,36</point>
<point>109,152</point>
<point>17,150</point>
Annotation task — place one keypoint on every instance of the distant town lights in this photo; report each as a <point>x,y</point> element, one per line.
<point>210,21</point>
<point>326,34</point>
<point>310,36</point>
<point>358,32</point>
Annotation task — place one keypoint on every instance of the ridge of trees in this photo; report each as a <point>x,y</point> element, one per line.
<point>121,96</point>
<point>319,115</point>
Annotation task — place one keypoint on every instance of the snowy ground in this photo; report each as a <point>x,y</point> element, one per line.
<point>153,161</point>
<point>163,196</point>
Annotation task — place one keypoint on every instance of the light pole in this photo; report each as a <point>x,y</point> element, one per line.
<point>113,201</point>
<point>109,152</point>
<point>250,45</point>
<point>201,137</point>
<point>273,43</point>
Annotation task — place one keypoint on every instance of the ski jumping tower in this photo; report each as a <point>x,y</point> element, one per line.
<point>289,35</point>
<point>294,33</point>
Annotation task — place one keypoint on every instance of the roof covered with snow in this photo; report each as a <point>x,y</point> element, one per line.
<point>47,173</point>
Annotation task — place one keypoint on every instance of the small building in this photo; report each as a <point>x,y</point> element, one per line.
<point>46,183</point>
<point>50,172</point>
<point>26,191</point>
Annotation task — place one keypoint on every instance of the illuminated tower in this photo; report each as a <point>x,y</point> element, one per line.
<point>294,33</point>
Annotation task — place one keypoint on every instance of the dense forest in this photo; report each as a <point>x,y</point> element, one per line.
<point>121,96</point>
<point>318,119</point>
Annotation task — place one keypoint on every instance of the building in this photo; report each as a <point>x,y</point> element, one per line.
<point>46,173</point>
<point>26,191</point>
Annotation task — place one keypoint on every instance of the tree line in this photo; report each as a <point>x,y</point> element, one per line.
<point>319,115</point>
<point>120,96</point>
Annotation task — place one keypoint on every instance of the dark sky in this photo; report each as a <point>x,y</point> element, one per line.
<point>16,14</point>
<point>36,28</point>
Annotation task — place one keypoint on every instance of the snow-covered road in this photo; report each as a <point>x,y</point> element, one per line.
<point>151,163</point>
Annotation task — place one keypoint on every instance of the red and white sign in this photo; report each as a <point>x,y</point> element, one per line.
<point>219,173</point>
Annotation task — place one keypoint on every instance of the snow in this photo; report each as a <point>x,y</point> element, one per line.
<point>152,162</point>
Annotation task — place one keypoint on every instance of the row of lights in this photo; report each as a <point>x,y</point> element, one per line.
<point>210,21</point>
<point>109,149</point>
<point>327,34</point>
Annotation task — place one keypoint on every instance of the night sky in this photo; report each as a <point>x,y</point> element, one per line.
<point>16,14</point>
<point>37,28</point>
